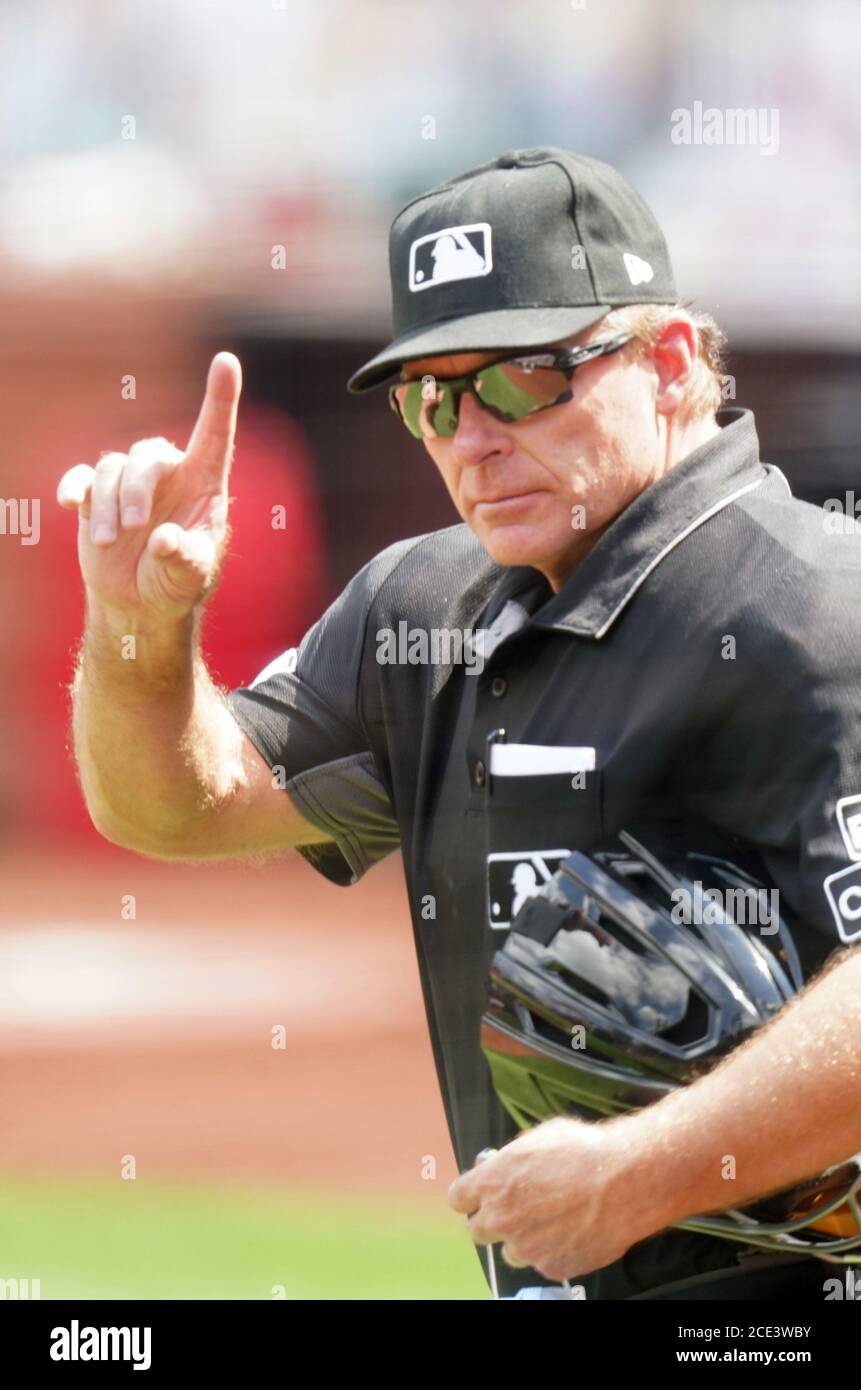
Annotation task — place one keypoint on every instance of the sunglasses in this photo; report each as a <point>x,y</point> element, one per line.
<point>511,390</point>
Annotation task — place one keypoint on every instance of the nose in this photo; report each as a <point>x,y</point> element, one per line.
<point>478,433</point>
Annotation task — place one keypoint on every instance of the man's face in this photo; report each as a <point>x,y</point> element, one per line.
<point>541,491</point>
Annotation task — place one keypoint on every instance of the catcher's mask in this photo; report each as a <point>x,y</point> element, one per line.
<point>624,979</point>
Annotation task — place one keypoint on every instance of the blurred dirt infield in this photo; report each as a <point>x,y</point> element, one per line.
<point>153,1036</point>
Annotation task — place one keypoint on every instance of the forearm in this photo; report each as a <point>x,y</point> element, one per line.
<point>156,748</point>
<point>783,1106</point>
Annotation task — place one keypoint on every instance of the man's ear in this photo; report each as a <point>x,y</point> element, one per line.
<point>674,354</point>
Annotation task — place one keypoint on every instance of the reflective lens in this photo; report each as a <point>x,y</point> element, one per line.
<point>508,390</point>
<point>514,391</point>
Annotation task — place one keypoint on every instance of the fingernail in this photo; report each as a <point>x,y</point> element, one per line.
<point>103,533</point>
<point>132,516</point>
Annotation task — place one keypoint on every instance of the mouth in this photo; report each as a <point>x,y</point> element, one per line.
<point>512,502</point>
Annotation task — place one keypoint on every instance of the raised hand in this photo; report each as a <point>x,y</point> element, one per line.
<point>153,523</point>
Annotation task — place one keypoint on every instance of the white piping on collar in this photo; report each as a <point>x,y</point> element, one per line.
<point>773,468</point>
<point>671,545</point>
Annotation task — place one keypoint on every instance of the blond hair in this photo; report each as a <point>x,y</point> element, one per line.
<point>705,390</point>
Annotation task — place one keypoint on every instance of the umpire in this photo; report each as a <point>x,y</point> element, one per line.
<point>634,620</point>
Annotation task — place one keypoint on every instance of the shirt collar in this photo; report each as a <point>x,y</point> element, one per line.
<point>635,543</point>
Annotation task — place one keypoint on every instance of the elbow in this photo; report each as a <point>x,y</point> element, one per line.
<point>125,835</point>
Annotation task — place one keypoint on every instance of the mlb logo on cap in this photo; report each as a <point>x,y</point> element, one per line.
<point>455,253</point>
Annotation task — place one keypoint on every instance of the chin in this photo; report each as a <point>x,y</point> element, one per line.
<point>517,545</point>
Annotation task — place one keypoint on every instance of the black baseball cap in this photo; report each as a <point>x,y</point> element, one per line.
<point>520,252</point>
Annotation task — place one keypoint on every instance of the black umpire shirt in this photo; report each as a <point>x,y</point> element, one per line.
<point>701,668</point>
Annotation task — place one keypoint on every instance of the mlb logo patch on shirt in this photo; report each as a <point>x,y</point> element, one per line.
<point>513,877</point>
<point>455,253</point>
<point>843,891</point>
<point>848,811</point>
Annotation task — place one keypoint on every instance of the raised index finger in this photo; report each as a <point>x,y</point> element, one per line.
<point>211,442</point>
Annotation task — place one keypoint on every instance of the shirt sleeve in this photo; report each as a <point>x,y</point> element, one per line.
<point>780,758</point>
<point>303,713</point>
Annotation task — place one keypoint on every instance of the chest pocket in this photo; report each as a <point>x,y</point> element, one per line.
<point>533,819</point>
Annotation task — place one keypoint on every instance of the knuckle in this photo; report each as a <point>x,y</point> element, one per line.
<point>476,1227</point>
<point>134,487</point>
<point>109,463</point>
<point>105,485</point>
<point>153,450</point>
<point>513,1256</point>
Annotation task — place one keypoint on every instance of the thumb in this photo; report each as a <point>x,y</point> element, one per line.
<point>189,557</point>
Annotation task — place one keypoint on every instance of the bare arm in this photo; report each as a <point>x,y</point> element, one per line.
<point>569,1197</point>
<point>164,767</point>
<point>785,1105</point>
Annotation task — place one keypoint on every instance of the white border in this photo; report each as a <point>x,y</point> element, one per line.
<point>447,231</point>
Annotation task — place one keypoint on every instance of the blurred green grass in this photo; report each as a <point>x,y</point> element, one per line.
<point>148,1240</point>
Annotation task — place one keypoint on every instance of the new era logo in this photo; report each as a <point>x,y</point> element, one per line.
<point>455,253</point>
<point>639,271</point>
